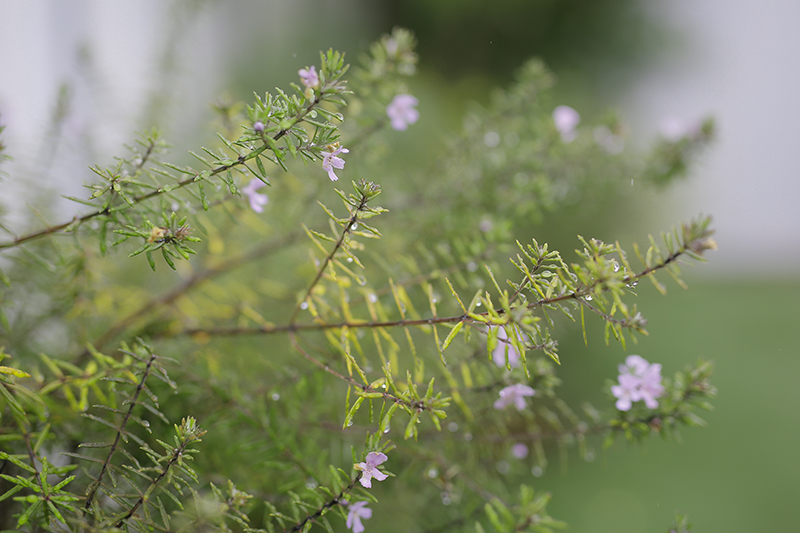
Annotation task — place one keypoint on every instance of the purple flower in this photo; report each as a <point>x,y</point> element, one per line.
<point>638,380</point>
<point>358,511</point>
<point>627,391</point>
<point>258,126</point>
<point>499,353</point>
<point>519,450</point>
<point>257,200</point>
<point>369,469</point>
<point>330,161</point>
<point>566,119</point>
<point>309,77</point>
<point>673,129</point>
<point>402,111</point>
<point>514,394</point>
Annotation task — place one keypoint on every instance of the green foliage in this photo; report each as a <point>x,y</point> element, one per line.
<point>316,356</point>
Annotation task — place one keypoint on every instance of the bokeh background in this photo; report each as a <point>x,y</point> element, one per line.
<point>76,78</point>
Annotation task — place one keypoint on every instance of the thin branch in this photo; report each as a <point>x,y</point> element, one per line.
<point>188,284</point>
<point>576,294</point>
<point>176,455</point>
<point>77,220</point>
<point>417,405</point>
<point>96,484</point>
<point>353,220</point>
<point>335,501</point>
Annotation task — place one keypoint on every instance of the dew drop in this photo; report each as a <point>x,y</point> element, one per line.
<point>478,304</point>
<point>446,499</point>
<point>452,426</point>
<point>311,484</point>
<point>589,298</point>
<point>536,471</point>
<point>304,305</point>
<point>467,437</point>
<point>349,259</point>
<point>432,473</point>
<point>373,297</point>
<point>387,430</point>
<point>276,396</point>
<point>354,227</point>
<point>472,266</point>
<point>145,423</point>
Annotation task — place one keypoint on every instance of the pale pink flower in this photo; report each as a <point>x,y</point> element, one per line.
<point>673,129</point>
<point>369,469</point>
<point>309,77</point>
<point>626,392</point>
<point>258,126</point>
<point>358,511</point>
<point>634,364</point>
<point>519,450</point>
<point>514,394</point>
<point>638,380</point>
<point>402,111</point>
<point>499,353</point>
<point>331,161</point>
<point>257,200</point>
<point>566,120</point>
<point>651,387</point>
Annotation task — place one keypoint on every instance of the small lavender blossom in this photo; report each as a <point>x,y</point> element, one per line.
<point>651,387</point>
<point>634,364</point>
<point>566,120</point>
<point>309,77</point>
<point>258,126</point>
<point>638,380</point>
<point>499,353</point>
<point>673,129</point>
<point>369,469</point>
<point>402,111</point>
<point>331,161</point>
<point>514,394</point>
<point>626,392</point>
<point>519,450</point>
<point>358,511</point>
<point>257,200</point>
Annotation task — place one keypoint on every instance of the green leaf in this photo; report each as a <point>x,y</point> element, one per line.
<point>452,335</point>
<point>348,420</point>
<point>14,372</point>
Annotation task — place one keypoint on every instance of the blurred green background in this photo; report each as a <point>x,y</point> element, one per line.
<point>742,473</point>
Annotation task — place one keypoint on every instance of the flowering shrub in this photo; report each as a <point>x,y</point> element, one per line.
<point>260,379</point>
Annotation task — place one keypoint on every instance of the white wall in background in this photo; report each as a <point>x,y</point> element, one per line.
<point>742,66</point>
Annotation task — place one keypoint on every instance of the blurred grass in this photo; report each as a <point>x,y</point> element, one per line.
<point>742,473</point>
